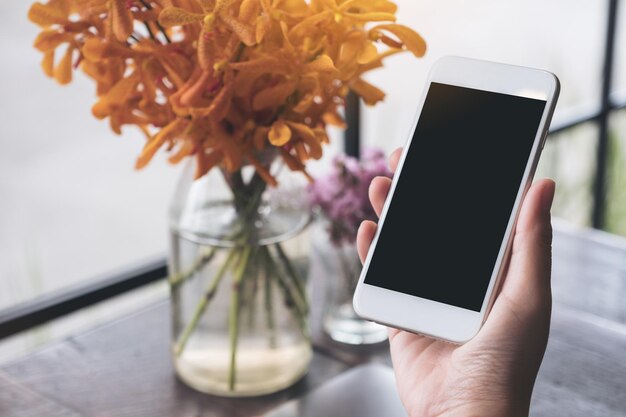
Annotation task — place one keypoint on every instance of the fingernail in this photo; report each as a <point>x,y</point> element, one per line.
<point>548,197</point>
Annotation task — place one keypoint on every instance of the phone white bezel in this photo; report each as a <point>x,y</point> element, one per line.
<point>431,318</point>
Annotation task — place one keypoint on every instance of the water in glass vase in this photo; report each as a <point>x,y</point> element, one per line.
<point>240,305</point>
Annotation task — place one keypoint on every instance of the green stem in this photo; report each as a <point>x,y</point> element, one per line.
<point>251,298</point>
<point>293,273</point>
<point>292,298</point>
<point>202,305</point>
<point>256,189</point>
<point>269,306</point>
<point>239,51</point>
<point>246,197</point>
<point>237,186</point>
<point>200,262</point>
<point>233,317</point>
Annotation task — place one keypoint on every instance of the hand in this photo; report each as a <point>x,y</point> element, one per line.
<point>493,374</point>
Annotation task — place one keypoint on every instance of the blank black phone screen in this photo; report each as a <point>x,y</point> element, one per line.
<point>455,195</point>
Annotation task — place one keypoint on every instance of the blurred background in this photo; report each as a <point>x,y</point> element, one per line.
<point>73,209</point>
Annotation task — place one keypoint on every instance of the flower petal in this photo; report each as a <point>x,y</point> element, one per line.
<point>63,71</point>
<point>263,24</point>
<point>249,10</point>
<point>294,7</point>
<point>121,20</point>
<point>304,104</point>
<point>95,49</point>
<point>206,5</point>
<point>122,90</point>
<point>194,92</point>
<point>259,136</point>
<point>47,63</point>
<point>207,161</point>
<point>307,25</point>
<point>368,53</point>
<point>279,133</point>
<point>263,65</point>
<point>284,28</point>
<point>273,96</point>
<point>308,137</point>
<point>369,5</point>
<point>232,156</point>
<point>219,107</point>
<point>315,147</point>
<point>322,63</point>
<point>206,51</point>
<point>221,103</point>
<point>222,4</point>
<point>369,93</point>
<point>170,131</point>
<point>46,14</point>
<point>175,16</point>
<point>301,152</point>
<point>411,39</point>
<point>321,135</point>
<point>64,6</point>
<point>115,97</point>
<point>245,33</point>
<point>371,17</point>
<point>50,39</point>
<point>264,173</point>
<point>334,119</point>
<point>378,61</point>
<point>186,149</point>
<point>172,73</point>
<point>294,164</point>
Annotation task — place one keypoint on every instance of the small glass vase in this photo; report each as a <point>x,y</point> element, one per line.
<point>340,321</point>
<point>238,263</point>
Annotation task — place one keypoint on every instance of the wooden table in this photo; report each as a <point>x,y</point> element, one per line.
<point>123,368</point>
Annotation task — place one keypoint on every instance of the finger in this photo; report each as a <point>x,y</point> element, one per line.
<point>379,188</point>
<point>536,206</point>
<point>526,290</point>
<point>530,265</point>
<point>521,313</point>
<point>364,238</point>
<point>394,159</point>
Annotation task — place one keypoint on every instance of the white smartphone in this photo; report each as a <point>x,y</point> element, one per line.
<point>445,232</point>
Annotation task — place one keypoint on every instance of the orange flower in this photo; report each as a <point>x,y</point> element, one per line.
<point>228,82</point>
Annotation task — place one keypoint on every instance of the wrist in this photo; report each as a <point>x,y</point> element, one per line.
<point>495,408</point>
<point>497,397</point>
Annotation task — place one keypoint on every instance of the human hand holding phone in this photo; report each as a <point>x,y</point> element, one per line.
<point>493,374</point>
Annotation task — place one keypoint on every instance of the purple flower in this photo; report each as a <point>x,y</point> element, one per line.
<point>342,194</point>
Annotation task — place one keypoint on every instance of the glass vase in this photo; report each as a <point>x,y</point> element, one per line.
<point>238,263</point>
<point>340,321</point>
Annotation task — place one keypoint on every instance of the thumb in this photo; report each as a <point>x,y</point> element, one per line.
<point>527,282</point>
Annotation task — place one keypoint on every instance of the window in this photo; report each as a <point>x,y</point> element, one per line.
<point>619,74</point>
<point>567,38</point>
<point>564,37</point>
<point>72,206</point>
